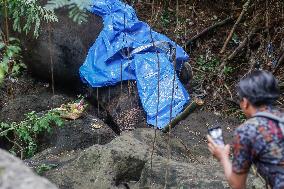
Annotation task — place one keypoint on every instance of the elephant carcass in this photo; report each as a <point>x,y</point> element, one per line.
<point>63,44</point>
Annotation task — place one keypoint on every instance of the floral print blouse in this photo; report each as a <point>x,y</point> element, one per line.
<point>259,141</point>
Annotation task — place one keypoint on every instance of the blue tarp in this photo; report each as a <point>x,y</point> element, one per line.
<point>127,43</point>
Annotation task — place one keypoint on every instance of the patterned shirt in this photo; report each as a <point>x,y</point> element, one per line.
<point>259,141</point>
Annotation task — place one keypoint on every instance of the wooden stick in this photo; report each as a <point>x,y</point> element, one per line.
<point>238,49</point>
<point>228,91</point>
<point>188,110</point>
<point>206,30</point>
<point>245,7</point>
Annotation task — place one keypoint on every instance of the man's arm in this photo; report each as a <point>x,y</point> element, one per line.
<point>236,181</point>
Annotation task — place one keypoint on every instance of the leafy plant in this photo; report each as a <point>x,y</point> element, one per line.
<point>211,65</point>
<point>10,60</point>
<point>25,132</point>
<point>166,18</point>
<point>27,15</point>
<point>228,70</point>
<point>77,8</point>
<point>44,167</point>
<point>207,65</point>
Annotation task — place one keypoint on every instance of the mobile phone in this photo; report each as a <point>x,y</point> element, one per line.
<point>216,135</point>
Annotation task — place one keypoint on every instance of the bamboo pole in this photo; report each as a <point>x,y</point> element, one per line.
<point>188,110</point>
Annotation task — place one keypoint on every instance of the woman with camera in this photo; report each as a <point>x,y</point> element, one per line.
<point>260,140</point>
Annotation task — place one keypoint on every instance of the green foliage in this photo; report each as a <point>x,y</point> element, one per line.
<point>10,59</point>
<point>25,132</point>
<point>211,65</point>
<point>44,167</point>
<point>166,18</point>
<point>207,65</point>
<point>77,8</point>
<point>27,15</point>
<point>228,70</point>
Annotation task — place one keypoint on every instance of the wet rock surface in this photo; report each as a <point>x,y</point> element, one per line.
<point>15,174</point>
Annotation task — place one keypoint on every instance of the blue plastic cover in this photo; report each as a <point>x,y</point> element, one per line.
<point>129,44</point>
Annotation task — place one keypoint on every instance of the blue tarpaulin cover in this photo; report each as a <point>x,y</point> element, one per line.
<point>129,44</point>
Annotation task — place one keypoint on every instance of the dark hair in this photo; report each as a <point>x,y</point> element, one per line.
<point>259,87</point>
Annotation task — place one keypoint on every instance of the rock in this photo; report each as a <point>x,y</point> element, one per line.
<point>125,162</point>
<point>206,173</point>
<point>102,167</point>
<point>117,163</point>
<point>15,175</point>
<point>182,175</point>
<point>22,85</point>
<point>15,109</point>
<point>69,46</point>
<point>79,134</point>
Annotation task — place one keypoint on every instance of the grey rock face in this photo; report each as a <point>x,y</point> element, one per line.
<point>103,166</point>
<point>125,161</point>
<point>15,175</point>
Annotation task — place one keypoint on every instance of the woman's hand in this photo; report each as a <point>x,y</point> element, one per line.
<point>221,153</point>
<point>236,181</point>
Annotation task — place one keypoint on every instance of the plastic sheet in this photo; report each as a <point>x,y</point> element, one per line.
<point>128,49</point>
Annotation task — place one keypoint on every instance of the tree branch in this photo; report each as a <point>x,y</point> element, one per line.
<point>206,30</point>
<point>245,7</point>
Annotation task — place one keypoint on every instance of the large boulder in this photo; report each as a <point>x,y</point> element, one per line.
<point>112,165</point>
<point>14,174</point>
<point>125,162</point>
<point>166,173</point>
<point>103,167</point>
<point>69,46</point>
<point>78,134</point>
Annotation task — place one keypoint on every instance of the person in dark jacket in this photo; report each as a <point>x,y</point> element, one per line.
<point>260,140</point>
